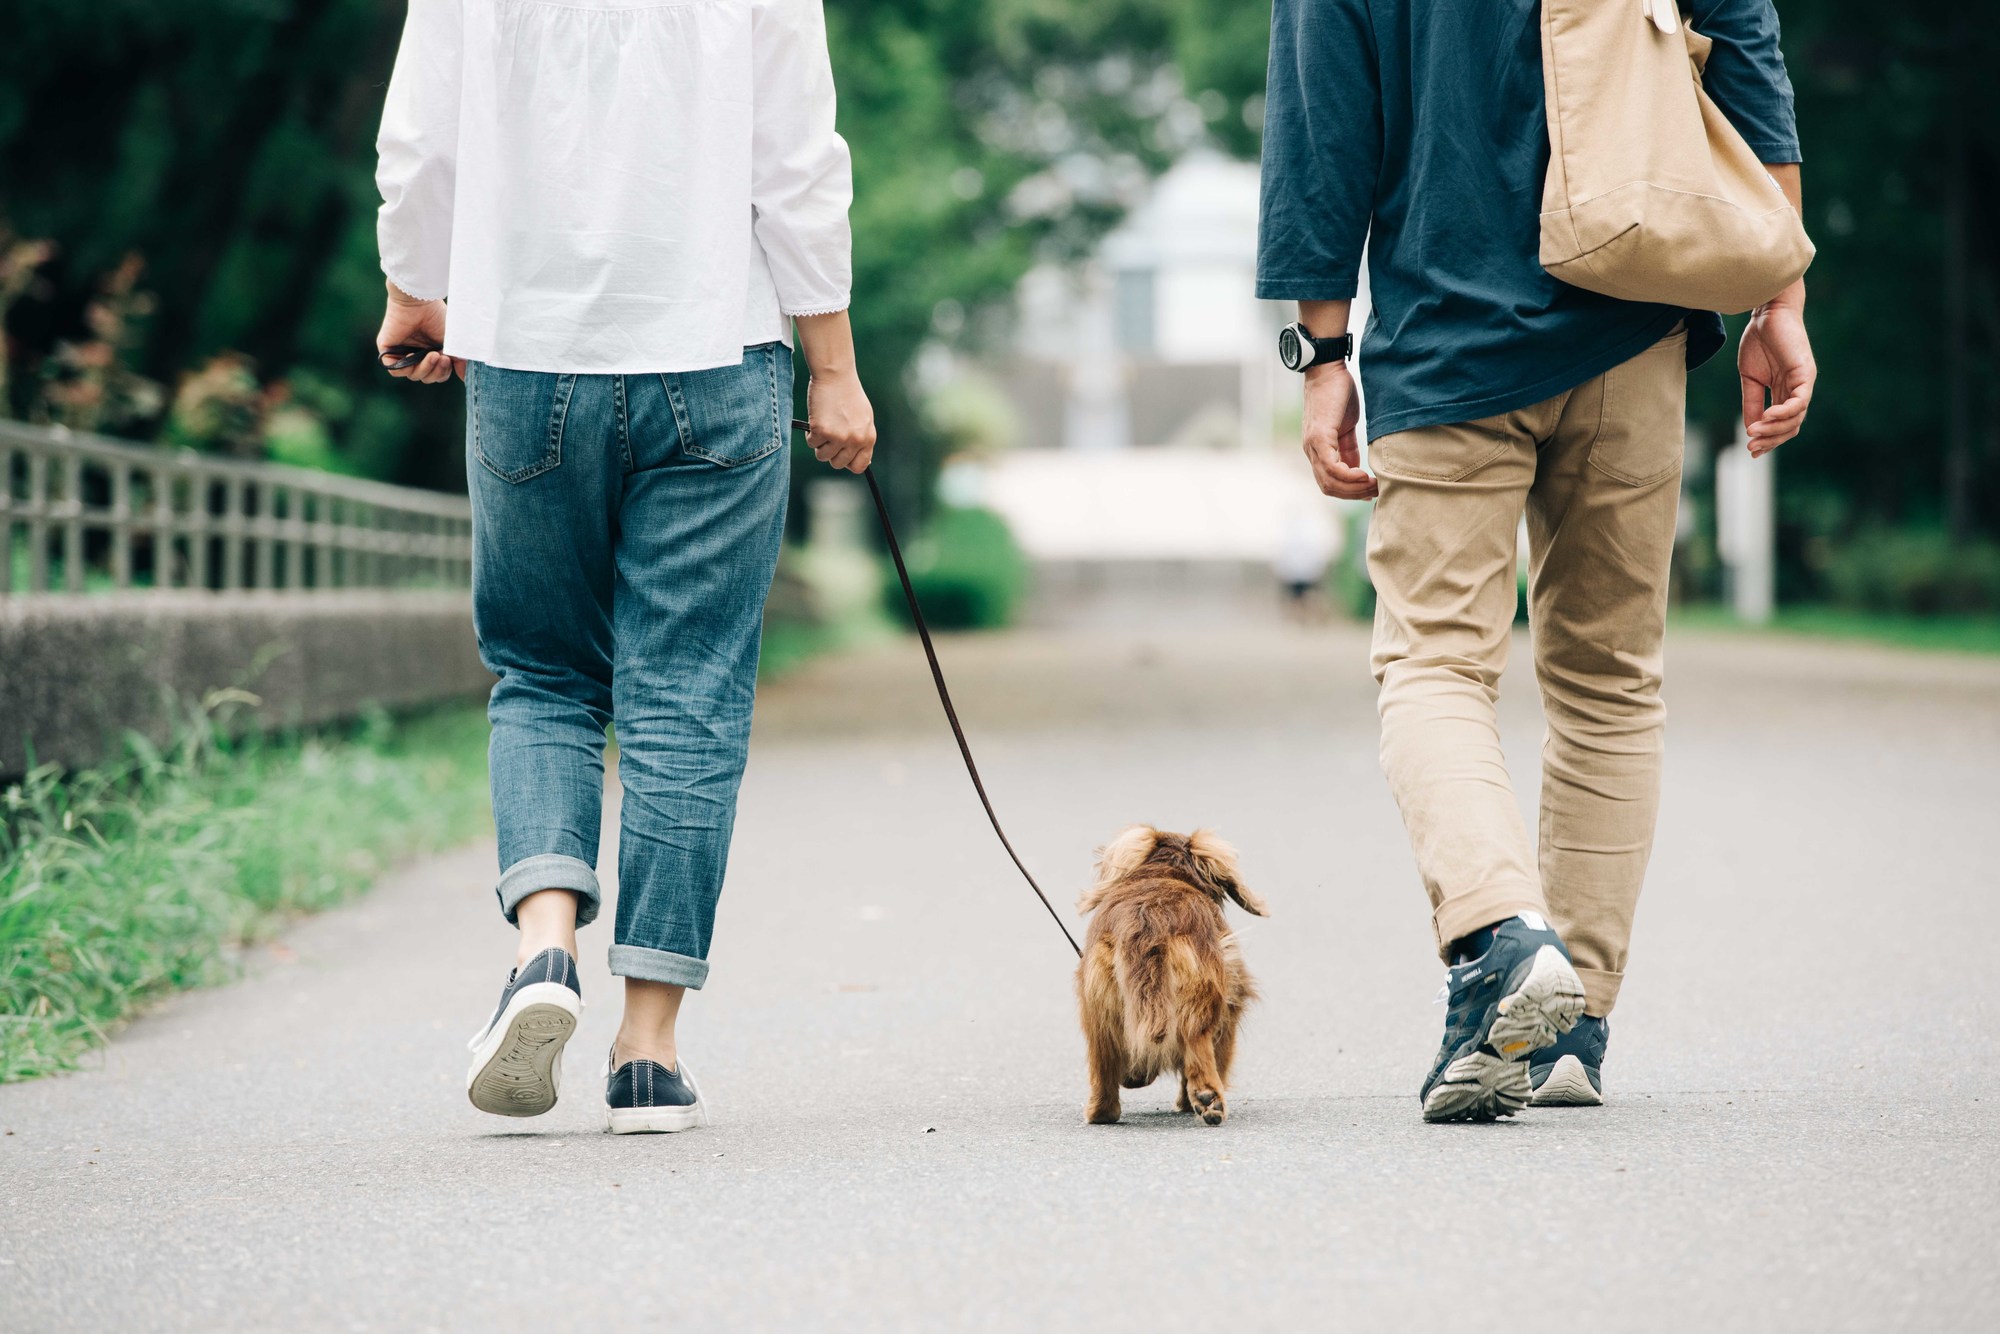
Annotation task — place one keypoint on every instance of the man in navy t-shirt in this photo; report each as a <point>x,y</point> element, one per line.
<point>1418,128</point>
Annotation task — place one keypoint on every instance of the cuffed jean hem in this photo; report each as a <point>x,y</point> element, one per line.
<point>1600,991</point>
<point>658,966</point>
<point>550,870</point>
<point>1462,914</point>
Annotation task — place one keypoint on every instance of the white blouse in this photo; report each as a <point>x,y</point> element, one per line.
<point>615,186</point>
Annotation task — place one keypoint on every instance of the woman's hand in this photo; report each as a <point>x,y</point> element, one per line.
<point>840,420</point>
<point>409,322</point>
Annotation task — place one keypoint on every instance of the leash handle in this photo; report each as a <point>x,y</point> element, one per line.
<point>944,696</point>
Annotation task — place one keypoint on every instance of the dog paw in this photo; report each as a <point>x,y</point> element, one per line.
<point>1102,1114</point>
<point>1181,1103</point>
<point>1210,1104</point>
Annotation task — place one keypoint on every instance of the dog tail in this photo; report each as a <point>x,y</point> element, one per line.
<point>1166,982</point>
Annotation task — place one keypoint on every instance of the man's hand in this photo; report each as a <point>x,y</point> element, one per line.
<point>1333,411</point>
<point>409,322</point>
<point>841,421</point>
<point>1775,359</point>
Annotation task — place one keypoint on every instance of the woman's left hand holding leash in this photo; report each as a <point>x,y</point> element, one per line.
<point>841,421</point>
<point>410,344</point>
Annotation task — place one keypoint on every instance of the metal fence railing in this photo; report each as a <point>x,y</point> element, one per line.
<point>80,512</point>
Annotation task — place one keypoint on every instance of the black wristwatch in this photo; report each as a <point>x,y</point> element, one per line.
<point>1299,349</point>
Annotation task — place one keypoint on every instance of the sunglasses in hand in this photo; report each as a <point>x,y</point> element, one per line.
<point>404,356</point>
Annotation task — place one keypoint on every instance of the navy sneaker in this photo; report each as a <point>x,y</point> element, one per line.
<point>645,1097</point>
<point>1513,999</point>
<point>1569,1072</point>
<point>517,1057</point>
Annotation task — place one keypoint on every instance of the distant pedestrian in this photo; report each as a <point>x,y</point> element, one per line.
<point>1419,127</point>
<point>1306,546</point>
<point>628,207</point>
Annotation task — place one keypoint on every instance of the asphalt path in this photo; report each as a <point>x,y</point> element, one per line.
<point>1803,1079</point>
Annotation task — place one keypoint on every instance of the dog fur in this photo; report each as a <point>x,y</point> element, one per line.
<point>1161,984</point>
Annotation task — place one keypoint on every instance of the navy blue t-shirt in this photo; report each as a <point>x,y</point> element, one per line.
<point>1418,127</point>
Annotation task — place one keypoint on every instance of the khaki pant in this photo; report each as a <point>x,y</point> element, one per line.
<point>1597,471</point>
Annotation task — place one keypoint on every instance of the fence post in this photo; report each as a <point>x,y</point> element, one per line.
<point>327,508</point>
<point>6,519</point>
<point>267,536</point>
<point>166,540</point>
<point>201,516</point>
<point>121,525</point>
<point>1746,528</point>
<point>38,521</point>
<point>72,533</point>
<point>234,541</point>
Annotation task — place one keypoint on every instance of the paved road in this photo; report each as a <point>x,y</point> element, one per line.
<point>1804,1082</point>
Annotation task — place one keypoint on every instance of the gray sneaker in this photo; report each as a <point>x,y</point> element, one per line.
<point>1515,998</point>
<point>1569,1072</point>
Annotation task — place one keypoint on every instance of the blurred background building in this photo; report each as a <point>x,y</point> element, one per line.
<point>1157,338</point>
<point>1145,431</point>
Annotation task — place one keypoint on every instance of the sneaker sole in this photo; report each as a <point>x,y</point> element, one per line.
<point>1485,1085</point>
<point>1478,1087</point>
<point>655,1120</point>
<point>517,1070</point>
<point>1567,1085</point>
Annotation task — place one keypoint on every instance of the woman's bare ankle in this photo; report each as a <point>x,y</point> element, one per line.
<point>547,919</point>
<point>646,1033</point>
<point>626,1050</point>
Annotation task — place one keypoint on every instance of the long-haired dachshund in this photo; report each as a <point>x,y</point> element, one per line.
<point>1161,983</point>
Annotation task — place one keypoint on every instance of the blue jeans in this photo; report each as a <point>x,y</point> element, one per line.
<point>625,531</point>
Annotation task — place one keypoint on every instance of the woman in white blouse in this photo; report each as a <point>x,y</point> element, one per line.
<point>628,205</point>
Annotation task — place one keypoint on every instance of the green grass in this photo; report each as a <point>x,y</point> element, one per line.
<point>120,885</point>
<point>789,645</point>
<point>1948,634</point>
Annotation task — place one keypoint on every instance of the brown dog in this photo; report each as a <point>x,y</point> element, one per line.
<point>1161,983</point>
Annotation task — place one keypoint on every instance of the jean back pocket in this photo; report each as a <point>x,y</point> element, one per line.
<point>734,415</point>
<point>517,419</point>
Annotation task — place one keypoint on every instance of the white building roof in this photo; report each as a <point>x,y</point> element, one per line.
<point>1202,211</point>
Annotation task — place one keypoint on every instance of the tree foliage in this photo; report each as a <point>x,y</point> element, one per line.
<point>229,143</point>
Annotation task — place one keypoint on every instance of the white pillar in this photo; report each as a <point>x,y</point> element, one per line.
<point>835,509</point>
<point>1746,528</point>
<point>1095,417</point>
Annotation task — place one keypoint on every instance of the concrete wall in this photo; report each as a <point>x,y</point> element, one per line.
<point>78,672</point>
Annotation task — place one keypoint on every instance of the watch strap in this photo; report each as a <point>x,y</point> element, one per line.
<point>1332,349</point>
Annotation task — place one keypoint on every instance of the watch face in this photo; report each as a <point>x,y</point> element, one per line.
<point>1288,348</point>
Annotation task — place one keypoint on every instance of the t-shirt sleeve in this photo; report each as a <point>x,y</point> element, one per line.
<point>1746,74</point>
<point>1322,150</point>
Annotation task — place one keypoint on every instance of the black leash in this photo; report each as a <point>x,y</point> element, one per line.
<point>944,695</point>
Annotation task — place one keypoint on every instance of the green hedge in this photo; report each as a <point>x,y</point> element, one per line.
<point>1917,572</point>
<point>967,569</point>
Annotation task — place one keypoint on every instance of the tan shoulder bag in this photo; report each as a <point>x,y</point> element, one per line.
<point>1651,194</point>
